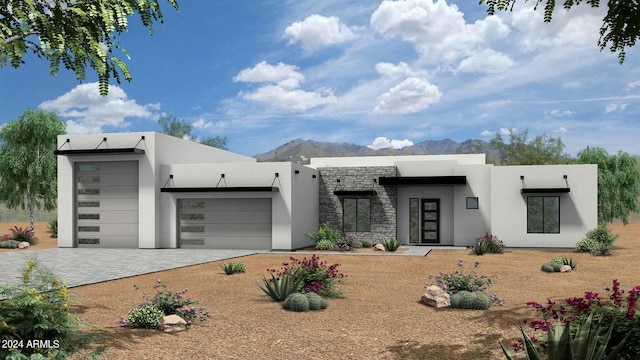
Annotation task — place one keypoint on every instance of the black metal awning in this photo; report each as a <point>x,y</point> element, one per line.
<point>423,180</point>
<point>354,192</point>
<point>112,151</point>
<point>222,189</point>
<point>545,190</point>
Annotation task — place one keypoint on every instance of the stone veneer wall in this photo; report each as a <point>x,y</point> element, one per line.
<point>383,204</point>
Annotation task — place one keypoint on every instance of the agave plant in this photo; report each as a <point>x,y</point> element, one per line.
<point>390,244</point>
<point>279,288</point>
<point>561,345</point>
<point>563,260</point>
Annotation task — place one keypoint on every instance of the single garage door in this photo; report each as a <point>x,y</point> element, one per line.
<point>225,223</point>
<point>107,204</point>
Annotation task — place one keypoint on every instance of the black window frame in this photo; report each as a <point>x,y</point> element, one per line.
<point>543,197</point>
<point>357,227</point>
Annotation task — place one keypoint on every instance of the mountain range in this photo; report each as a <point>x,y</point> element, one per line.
<point>300,150</point>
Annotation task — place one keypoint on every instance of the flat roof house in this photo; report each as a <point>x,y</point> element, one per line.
<point>150,190</point>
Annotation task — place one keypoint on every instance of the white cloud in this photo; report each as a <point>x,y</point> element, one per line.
<point>384,143</point>
<point>561,129</point>
<point>410,96</point>
<point>290,99</point>
<point>87,111</point>
<point>507,131</point>
<point>486,61</point>
<point>438,31</point>
<point>572,85</point>
<point>611,107</point>
<point>202,124</point>
<point>317,31</point>
<point>633,85</point>
<point>487,133</point>
<point>560,113</point>
<point>401,70</point>
<point>283,74</point>
<point>285,94</point>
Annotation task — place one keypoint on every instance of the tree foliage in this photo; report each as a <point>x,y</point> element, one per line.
<point>618,183</point>
<point>28,170</point>
<point>542,150</point>
<point>179,128</point>
<point>76,33</point>
<point>620,26</point>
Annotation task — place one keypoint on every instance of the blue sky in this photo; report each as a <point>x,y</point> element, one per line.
<point>375,73</point>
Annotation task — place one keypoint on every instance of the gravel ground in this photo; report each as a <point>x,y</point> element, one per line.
<point>381,316</point>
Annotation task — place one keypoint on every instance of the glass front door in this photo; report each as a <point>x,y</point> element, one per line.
<point>430,221</point>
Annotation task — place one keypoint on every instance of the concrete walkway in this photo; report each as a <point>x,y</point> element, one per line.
<point>80,266</point>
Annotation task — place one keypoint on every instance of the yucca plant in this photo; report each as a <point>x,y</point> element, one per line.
<point>563,260</point>
<point>390,244</point>
<point>561,345</point>
<point>228,268</point>
<point>480,248</point>
<point>279,288</point>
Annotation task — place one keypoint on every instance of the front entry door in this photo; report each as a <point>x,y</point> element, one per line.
<point>430,221</point>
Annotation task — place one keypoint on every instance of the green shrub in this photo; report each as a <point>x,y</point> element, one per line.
<point>366,243</point>
<point>390,244</point>
<point>324,244</point>
<point>325,232</point>
<point>458,281</point>
<point>356,243</point>
<point>232,268</point>
<point>587,245</point>
<point>563,260</point>
<point>598,242</point>
<point>487,243</point>
<point>39,309</point>
<point>279,288</point>
<point>602,235</point>
<point>9,244</point>
<point>169,302</point>
<point>145,316</point>
<point>317,276</point>
<point>53,228</point>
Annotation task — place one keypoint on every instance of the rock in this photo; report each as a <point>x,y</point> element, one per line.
<point>436,297</point>
<point>23,245</point>
<point>173,323</point>
<point>378,247</point>
<point>565,268</point>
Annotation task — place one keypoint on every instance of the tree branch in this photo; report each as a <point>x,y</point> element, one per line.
<point>13,38</point>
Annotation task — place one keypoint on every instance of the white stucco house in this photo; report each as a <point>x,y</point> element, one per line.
<point>149,190</point>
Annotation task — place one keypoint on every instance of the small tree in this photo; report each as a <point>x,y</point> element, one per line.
<point>179,128</point>
<point>542,150</point>
<point>27,161</point>
<point>618,183</point>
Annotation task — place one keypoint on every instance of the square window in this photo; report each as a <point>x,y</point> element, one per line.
<point>472,203</point>
<point>543,214</point>
<point>356,215</point>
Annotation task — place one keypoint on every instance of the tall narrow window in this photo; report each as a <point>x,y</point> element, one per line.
<point>356,215</point>
<point>543,214</point>
<point>414,220</point>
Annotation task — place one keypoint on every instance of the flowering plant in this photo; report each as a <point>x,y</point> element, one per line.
<point>170,303</point>
<point>318,276</point>
<point>460,281</point>
<point>619,308</point>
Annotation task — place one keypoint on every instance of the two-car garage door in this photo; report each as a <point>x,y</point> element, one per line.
<point>228,223</point>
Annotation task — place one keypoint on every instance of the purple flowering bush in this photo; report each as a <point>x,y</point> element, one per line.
<point>463,280</point>
<point>620,309</point>
<point>169,302</point>
<point>318,276</point>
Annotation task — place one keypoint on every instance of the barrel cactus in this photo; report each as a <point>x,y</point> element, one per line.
<point>470,300</point>
<point>481,301</point>
<point>547,267</point>
<point>556,266</point>
<point>296,302</point>
<point>314,301</point>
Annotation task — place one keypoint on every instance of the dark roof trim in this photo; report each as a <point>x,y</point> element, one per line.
<point>354,192</point>
<point>423,180</point>
<point>116,151</point>
<point>221,189</point>
<point>545,190</point>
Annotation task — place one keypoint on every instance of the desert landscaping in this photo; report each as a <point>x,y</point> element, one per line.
<point>381,315</point>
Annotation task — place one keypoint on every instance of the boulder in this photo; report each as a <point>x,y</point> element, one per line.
<point>173,323</point>
<point>378,247</point>
<point>23,245</point>
<point>436,297</point>
<point>565,268</point>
